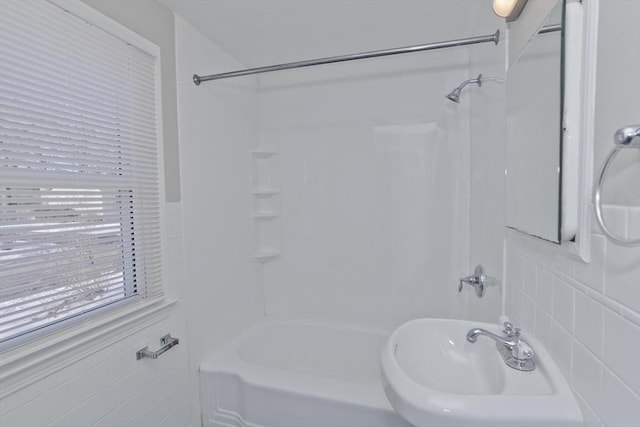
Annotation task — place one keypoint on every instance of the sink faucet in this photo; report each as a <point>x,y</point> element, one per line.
<point>516,352</point>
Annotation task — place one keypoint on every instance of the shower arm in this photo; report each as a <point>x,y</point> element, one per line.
<point>454,95</point>
<point>479,80</point>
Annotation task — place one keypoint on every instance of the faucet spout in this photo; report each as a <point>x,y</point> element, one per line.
<point>516,353</point>
<point>473,334</point>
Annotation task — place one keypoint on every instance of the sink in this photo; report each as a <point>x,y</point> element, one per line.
<point>434,377</point>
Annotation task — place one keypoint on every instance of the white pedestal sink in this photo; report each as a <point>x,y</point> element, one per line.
<point>433,377</point>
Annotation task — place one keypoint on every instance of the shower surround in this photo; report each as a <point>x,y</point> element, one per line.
<point>375,191</point>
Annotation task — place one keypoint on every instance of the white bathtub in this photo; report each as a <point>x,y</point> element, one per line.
<point>298,374</point>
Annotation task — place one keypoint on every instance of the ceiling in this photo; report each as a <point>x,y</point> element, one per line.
<point>266,32</point>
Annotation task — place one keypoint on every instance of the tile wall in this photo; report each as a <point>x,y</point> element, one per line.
<point>112,388</point>
<point>588,315</point>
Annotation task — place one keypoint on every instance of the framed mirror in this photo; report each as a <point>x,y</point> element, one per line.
<point>534,167</point>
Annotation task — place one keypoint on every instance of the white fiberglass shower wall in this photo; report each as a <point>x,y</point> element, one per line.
<point>371,177</point>
<point>375,188</point>
<point>371,185</point>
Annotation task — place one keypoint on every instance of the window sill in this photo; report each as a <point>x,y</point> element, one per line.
<point>28,363</point>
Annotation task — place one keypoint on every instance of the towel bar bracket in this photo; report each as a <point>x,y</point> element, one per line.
<point>167,342</point>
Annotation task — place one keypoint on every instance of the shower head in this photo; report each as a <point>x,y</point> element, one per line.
<point>454,95</point>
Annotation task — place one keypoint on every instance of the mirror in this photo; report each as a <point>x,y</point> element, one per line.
<point>534,133</point>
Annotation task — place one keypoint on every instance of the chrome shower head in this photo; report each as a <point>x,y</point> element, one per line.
<point>454,95</point>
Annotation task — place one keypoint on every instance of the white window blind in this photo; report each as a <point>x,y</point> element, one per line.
<point>79,189</point>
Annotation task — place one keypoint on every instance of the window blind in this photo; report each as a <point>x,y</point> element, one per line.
<point>79,186</point>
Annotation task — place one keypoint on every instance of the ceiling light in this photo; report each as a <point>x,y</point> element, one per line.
<point>509,9</point>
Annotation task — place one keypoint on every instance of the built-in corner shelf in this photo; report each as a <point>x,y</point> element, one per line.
<point>265,192</point>
<point>266,204</point>
<point>266,255</point>
<point>265,154</point>
<point>266,215</point>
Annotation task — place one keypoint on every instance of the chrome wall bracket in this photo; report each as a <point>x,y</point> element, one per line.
<point>167,342</point>
<point>478,280</point>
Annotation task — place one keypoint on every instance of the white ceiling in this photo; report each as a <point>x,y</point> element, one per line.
<point>266,32</point>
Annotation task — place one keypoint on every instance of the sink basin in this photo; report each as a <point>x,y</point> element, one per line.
<point>434,377</point>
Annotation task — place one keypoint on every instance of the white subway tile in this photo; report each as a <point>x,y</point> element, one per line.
<point>619,406</point>
<point>589,417</point>
<point>544,290</point>
<point>563,263</point>
<point>631,315</point>
<point>560,348</point>
<point>529,278</point>
<point>528,314</point>
<point>589,323</point>
<point>514,270</point>
<point>593,274</point>
<point>513,303</point>
<point>623,275</point>
<point>168,400</point>
<point>633,227</point>
<point>622,349</point>
<point>180,417</point>
<point>563,304</point>
<point>586,375</point>
<point>543,326</point>
<point>151,393</point>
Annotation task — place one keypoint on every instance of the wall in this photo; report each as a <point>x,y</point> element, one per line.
<point>375,188</point>
<point>110,387</point>
<point>528,23</point>
<point>487,197</point>
<point>218,126</point>
<point>588,315</point>
<point>617,104</point>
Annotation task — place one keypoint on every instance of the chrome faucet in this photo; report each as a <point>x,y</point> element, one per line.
<point>515,352</point>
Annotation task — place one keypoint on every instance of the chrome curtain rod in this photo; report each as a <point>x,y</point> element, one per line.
<point>495,38</point>
<point>550,29</point>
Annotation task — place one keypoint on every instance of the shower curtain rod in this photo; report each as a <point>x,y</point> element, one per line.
<point>495,38</point>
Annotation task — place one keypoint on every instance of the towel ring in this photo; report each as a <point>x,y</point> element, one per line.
<point>627,137</point>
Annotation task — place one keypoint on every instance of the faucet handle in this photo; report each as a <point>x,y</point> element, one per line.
<point>508,329</point>
<point>478,280</point>
<point>522,351</point>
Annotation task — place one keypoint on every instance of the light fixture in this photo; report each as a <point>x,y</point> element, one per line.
<point>509,9</point>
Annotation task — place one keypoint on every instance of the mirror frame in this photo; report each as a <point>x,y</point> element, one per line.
<point>578,111</point>
<point>581,40</point>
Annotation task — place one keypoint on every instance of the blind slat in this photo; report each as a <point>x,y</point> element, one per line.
<point>79,173</point>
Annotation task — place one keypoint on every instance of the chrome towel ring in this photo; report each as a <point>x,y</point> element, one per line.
<point>626,137</point>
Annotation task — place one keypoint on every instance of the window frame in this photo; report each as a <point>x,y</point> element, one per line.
<point>40,353</point>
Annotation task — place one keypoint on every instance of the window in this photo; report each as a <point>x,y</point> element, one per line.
<point>79,186</point>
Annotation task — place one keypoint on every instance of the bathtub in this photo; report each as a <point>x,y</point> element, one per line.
<point>297,374</point>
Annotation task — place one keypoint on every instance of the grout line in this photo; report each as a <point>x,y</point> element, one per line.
<point>585,403</point>
<point>178,407</point>
<point>624,311</point>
